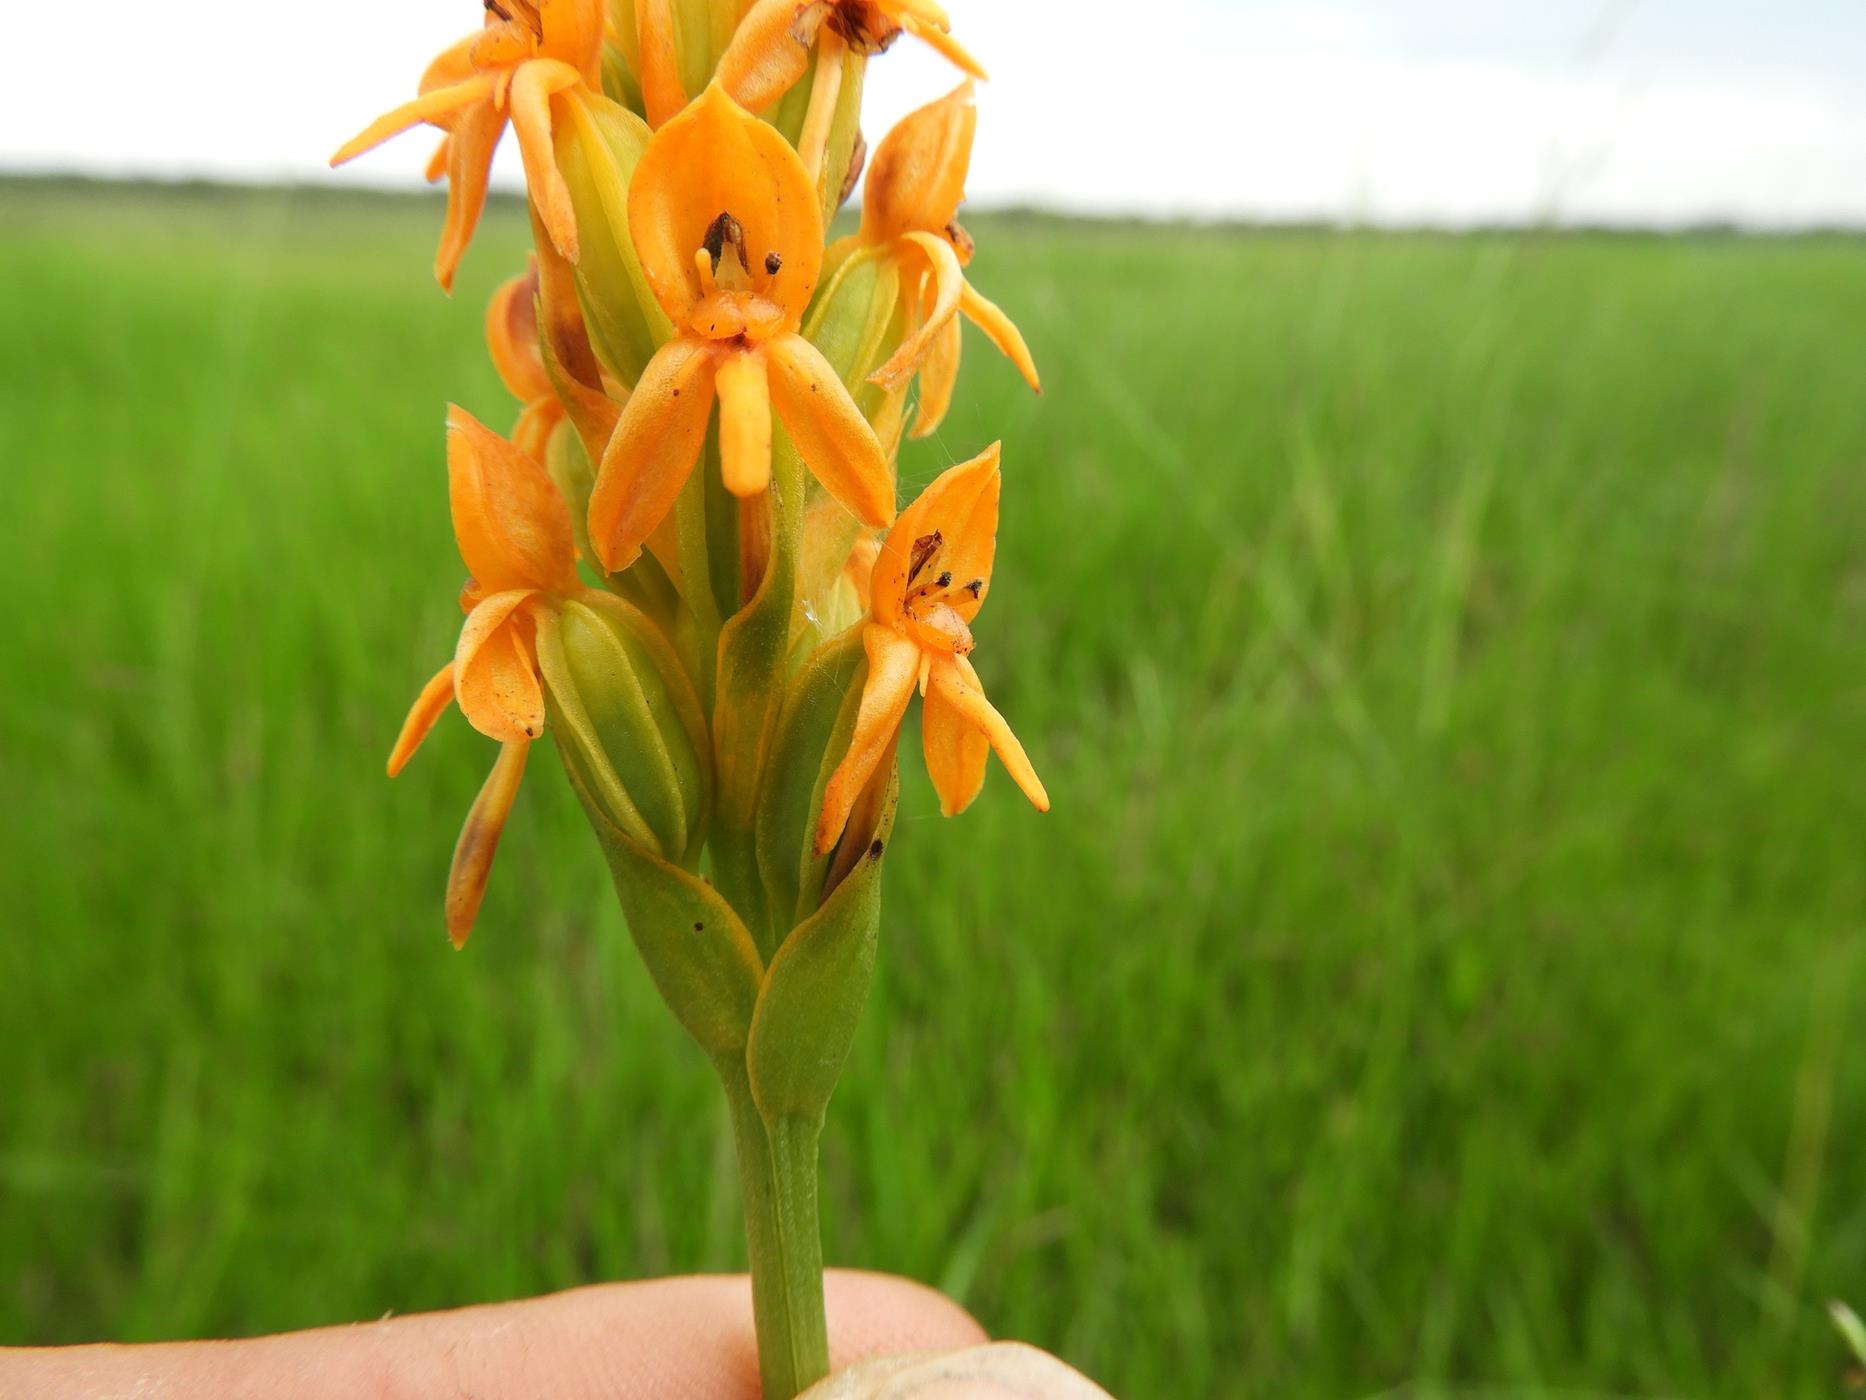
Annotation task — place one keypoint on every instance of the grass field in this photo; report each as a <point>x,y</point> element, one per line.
<point>1442,971</point>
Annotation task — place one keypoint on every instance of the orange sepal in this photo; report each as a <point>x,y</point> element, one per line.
<point>961,507</point>
<point>954,683</point>
<point>659,61</point>
<point>479,840</point>
<point>495,672</point>
<point>512,336</point>
<point>435,107</point>
<point>716,158</point>
<point>573,33</point>
<point>509,519</point>
<point>939,373</point>
<point>830,433</point>
<point>429,706</point>
<point>996,325</point>
<point>955,750</point>
<point>770,51</point>
<point>532,89</point>
<point>949,48</point>
<point>893,671</point>
<point>916,177</point>
<point>657,440</point>
<point>947,291</point>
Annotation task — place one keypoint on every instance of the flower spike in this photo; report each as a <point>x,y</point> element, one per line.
<point>730,241</point>
<point>925,589</point>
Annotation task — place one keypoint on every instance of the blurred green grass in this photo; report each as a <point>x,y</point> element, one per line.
<point>1441,970</point>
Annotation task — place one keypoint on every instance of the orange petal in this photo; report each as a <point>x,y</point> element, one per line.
<point>893,670</point>
<point>454,64</point>
<point>561,325</point>
<point>573,33</point>
<point>835,441</point>
<point>511,523</point>
<point>955,751</point>
<point>512,336</point>
<point>770,50</point>
<point>656,442</point>
<point>659,63</point>
<point>439,161</point>
<point>434,107</point>
<point>744,423</point>
<point>531,434</point>
<point>927,12</point>
<point>944,44</point>
<point>716,158</point>
<point>948,289</point>
<point>995,324</point>
<point>429,706</point>
<point>938,374</point>
<point>495,674</point>
<point>470,148</point>
<point>860,565</point>
<point>961,507</point>
<point>531,120</point>
<point>479,840</point>
<point>955,683</point>
<point>820,116</point>
<point>916,177</point>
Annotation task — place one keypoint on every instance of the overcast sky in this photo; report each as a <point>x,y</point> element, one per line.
<point>1442,111</point>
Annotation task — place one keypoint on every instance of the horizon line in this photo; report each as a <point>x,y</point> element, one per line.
<point>1706,225</point>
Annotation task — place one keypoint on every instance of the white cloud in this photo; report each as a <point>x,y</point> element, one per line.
<point>1415,110</point>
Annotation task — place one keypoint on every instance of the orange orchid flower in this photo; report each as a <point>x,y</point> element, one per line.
<point>512,340</point>
<point>730,240</point>
<point>771,49</point>
<point>514,534</point>
<point>528,51</point>
<point>910,210</point>
<point>927,585</point>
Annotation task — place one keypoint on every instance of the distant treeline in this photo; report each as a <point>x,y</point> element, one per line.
<point>13,183</point>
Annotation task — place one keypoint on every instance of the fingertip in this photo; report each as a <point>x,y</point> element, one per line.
<point>876,1314</point>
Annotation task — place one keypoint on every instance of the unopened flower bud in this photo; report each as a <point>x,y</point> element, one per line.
<point>627,723</point>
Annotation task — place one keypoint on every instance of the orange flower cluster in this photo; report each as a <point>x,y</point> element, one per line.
<point>686,560</point>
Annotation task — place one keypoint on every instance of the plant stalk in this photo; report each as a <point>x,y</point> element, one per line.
<point>784,1241</point>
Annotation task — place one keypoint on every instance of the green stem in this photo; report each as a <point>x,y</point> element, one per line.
<point>777,1179</point>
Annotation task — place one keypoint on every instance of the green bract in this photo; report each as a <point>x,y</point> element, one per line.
<point>598,145</point>
<point>627,724</point>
